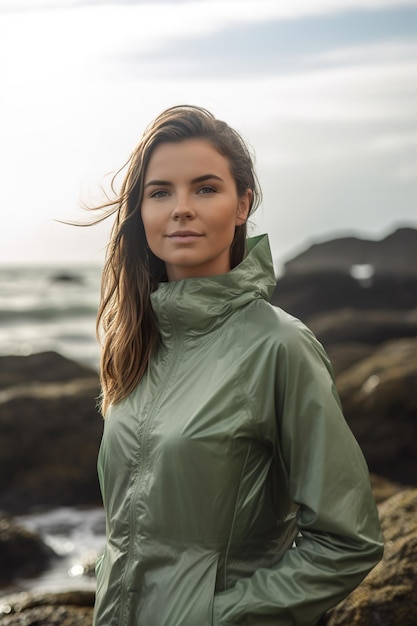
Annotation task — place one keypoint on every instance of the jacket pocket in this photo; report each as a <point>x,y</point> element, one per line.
<point>222,603</point>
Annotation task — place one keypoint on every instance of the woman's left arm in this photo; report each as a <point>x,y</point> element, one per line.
<point>339,538</point>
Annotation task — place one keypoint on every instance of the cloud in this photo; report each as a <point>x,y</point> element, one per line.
<point>387,51</point>
<point>328,102</point>
<point>237,10</point>
<point>217,48</point>
<point>406,172</point>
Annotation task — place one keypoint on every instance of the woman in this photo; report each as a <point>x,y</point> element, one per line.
<point>234,491</point>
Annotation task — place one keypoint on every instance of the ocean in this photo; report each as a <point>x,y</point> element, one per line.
<point>54,308</point>
<point>50,308</point>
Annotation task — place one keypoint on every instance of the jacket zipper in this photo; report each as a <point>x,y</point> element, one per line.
<point>142,446</point>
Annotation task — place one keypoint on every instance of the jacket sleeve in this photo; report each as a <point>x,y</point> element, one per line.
<point>339,539</point>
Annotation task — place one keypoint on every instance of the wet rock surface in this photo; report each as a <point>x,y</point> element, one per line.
<point>73,608</point>
<point>50,431</point>
<point>380,405</point>
<point>388,595</point>
<point>23,554</point>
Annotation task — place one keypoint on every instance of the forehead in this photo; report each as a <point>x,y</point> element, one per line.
<point>189,159</point>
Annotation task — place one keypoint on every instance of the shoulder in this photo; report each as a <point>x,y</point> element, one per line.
<point>276,325</point>
<point>284,335</point>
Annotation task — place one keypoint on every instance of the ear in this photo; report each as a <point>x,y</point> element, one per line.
<point>243,207</point>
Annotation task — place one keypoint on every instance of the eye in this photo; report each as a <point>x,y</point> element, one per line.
<point>207,189</point>
<point>158,193</point>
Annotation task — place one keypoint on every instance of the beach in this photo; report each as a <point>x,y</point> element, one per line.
<point>50,426</point>
<point>48,308</point>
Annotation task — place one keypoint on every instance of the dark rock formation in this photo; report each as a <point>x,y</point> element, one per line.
<point>379,400</point>
<point>22,553</point>
<point>67,277</point>
<point>396,255</point>
<point>306,295</point>
<point>321,278</point>
<point>73,608</point>
<point>382,488</point>
<point>45,367</point>
<point>388,595</point>
<point>363,327</point>
<point>354,319</point>
<point>344,355</point>
<point>50,433</point>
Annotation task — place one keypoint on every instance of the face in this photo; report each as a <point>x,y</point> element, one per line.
<point>190,208</point>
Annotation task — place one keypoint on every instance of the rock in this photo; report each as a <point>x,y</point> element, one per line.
<point>67,277</point>
<point>307,295</point>
<point>321,279</point>
<point>22,553</point>
<point>304,295</point>
<point>388,595</point>
<point>382,488</point>
<point>364,327</point>
<point>396,255</point>
<point>344,355</point>
<point>73,608</point>
<point>50,434</point>
<point>42,367</point>
<point>379,399</point>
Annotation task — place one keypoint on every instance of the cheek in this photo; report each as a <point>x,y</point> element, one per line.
<point>224,223</point>
<point>150,222</point>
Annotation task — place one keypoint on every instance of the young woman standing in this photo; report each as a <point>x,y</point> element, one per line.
<point>234,491</point>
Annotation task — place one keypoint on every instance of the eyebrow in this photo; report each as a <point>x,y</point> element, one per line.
<point>199,179</point>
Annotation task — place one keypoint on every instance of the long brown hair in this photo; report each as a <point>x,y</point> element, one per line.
<point>131,271</point>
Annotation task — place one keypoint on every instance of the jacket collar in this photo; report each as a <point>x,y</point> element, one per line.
<point>198,305</point>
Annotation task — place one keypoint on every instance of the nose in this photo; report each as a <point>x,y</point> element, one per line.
<point>183,208</point>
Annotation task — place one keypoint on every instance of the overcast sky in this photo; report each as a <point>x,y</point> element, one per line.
<point>325,91</point>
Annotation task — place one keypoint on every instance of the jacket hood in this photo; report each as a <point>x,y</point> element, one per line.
<point>197,305</point>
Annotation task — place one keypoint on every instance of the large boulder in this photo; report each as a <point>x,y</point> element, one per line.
<point>383,488</point>
<point>345,355</point>
<point>371,328</point>
<point>309,295</point>
<point>43,367</point>
<point>50,433</point>
<point>379,399</point>
<point>23,554</point>
<point>395,255</point>
<point>323,277</point>
<point>305,295</point>
<point>388,595</point>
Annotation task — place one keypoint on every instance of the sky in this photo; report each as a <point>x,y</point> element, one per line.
<point>323,91</point>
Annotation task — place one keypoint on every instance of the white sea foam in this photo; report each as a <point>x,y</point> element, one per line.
<point>39,312</point>
<point>77,536</point>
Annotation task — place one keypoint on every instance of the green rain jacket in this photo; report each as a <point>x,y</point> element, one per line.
<point>234,491</point>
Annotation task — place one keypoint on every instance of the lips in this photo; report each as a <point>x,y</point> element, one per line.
<point>184,234</point>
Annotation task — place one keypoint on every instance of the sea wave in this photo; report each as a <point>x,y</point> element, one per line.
<point>40,311</point>
<point>77,536</point>
<point>47,313</point>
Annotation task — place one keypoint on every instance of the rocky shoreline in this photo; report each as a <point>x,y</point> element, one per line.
<point>50,431</point>
<point>387,595</point>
